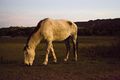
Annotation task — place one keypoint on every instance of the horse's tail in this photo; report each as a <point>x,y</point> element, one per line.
<point>77,45</point>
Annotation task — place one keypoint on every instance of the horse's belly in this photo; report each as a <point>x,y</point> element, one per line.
<point>61,36</point>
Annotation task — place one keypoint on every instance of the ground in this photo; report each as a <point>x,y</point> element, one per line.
<point>96,60</point>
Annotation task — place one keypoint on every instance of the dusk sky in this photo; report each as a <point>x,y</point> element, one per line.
<point>29,12</point>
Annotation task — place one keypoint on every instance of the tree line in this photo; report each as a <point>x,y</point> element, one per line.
<point>99,27</point>
<point>103,27</point>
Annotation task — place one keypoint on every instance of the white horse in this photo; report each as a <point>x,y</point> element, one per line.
<point>51,30</point>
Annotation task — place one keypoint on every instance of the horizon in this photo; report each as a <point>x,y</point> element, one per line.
<point>30,12</point>
<point>73,21</point>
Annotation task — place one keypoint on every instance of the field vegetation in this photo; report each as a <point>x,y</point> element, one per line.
<point>98,59</point>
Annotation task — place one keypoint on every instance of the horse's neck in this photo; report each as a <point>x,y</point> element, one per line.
<point>34,40</point>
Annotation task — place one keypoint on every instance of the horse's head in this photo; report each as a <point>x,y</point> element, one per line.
<point>29,54</point>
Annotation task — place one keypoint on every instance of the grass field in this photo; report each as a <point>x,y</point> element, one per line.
<point>98,59</point>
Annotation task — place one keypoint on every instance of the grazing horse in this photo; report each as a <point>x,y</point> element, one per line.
<point>51,30</point>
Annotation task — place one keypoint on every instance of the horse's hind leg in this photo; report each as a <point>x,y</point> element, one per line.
<point>67,43</point>
<point>74,40</point>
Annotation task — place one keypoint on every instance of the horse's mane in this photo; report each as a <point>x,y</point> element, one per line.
<point>69,22</point>
<point>39,25</point>
<point>34,31</point>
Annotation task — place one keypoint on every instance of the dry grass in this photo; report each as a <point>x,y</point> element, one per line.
<point>98,60</point>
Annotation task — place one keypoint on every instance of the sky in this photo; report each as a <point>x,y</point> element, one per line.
<point>30,12</point>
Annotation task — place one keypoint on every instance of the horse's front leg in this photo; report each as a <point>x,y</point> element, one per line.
<point>47,53</point>
<point>53,53</point>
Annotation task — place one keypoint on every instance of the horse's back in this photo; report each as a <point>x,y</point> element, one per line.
<point>58,29</point>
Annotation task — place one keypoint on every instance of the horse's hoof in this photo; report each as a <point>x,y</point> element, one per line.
<point>45,63</point>
<point>75,60</point>
<point>27,64</point>
<point>55,61</point>
<point>65,60</point>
